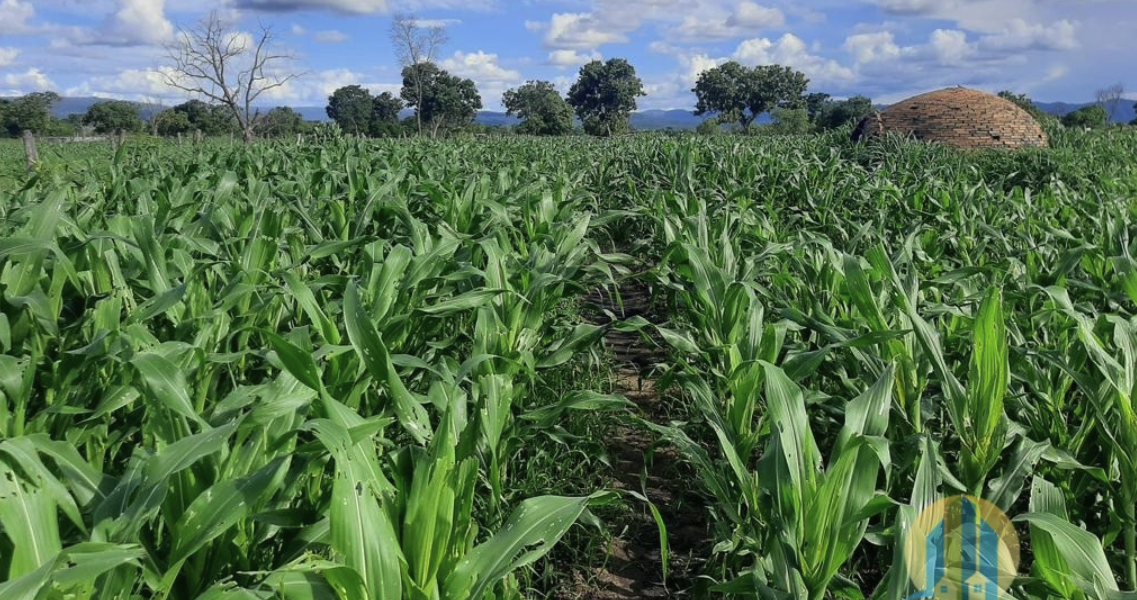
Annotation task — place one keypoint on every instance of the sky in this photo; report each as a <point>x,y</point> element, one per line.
<point>1051,50</point>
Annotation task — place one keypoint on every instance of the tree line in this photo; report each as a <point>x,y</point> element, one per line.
<point>214,61</point>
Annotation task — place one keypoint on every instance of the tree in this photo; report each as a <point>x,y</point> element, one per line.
<point>1134,121</point>
<point>172,122</point>
<point>790,121</point>
<point>215,61</point>
<point>1109,98</point>
<point>113,115</point>
<point>280,121</point>
<point>1087,117</point>
<point>351,107</point>
<point>604,95</point>
<point>415,45</point>
<point>540,107</point>
<point>441,101</point>
<point>835,113</point>
<point>385,109</point>
<point>209,118</point>
<point>815,103</point>
<point>1022,101</point>
<point>31,112</point>
<point>732,89</point>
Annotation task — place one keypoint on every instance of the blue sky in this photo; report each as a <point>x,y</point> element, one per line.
<point>885,49</point>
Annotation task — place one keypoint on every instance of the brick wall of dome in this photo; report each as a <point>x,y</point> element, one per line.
<point>960,117</point>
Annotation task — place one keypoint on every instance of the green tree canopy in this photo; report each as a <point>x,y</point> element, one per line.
<point>832,114</point>
<point>790,121</point>
<point>31,112</point>
<point>1022,101</point>
<point>209,118</point>
<point>280,121</point>
<point>1093,116</point>
<point>351,107</point>
<point>540,107</point>
<point>172,122</point>
<point>447,103</point>
<point>742,93</point>
<point>110,116</point>
<point>385,109</point>
<point>604,95</point>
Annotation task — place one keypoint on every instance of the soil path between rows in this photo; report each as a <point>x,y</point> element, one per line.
<point>634,559</point>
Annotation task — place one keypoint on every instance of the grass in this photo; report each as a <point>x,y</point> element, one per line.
<point>358,369</point>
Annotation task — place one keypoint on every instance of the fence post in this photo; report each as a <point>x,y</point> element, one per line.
<point>30,150</point>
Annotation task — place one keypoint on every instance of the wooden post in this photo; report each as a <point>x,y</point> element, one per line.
<point>179,138</point>
<point>30,150</point>
<point>197,136</point>
<point>299,139</point>
<point>121,137</point>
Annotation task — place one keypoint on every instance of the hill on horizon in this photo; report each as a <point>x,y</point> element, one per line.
<point>651,119</point>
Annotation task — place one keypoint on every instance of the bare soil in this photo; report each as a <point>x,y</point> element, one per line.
<point>634,568</point>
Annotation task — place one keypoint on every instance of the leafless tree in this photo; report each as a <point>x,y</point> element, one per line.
<point>415,44</point>
<point>228,67</point>
<point>1109,97</point>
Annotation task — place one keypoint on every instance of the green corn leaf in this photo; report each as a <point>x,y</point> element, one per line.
<point>364,337</point>
<point>165,382</point>
<point>531,531</point>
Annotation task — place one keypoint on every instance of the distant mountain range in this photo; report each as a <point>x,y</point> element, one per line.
<point>642,120</point>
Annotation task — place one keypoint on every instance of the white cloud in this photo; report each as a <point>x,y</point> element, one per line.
<point>360,7</point>
<point>479,66</point>
<point>298,29</point>
<point>345,6</point>
<point>32,80</point>
<point>140,21</point>
<point>1018,35</point>
<point>129,84</point>
<point>750,15</point>
<point>14,17</point>
<point>579,31</point>
<point>790,50</point>
<point>8,56</point>
<point>134,23</point>
<point>330,36</point>
<point>571,58</point>
<point>950,46</point>
<point>872,47</point>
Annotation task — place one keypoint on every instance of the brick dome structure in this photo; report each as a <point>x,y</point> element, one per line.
<point>960,117</point>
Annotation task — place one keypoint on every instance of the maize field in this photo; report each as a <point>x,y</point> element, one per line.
<point>374,369</point>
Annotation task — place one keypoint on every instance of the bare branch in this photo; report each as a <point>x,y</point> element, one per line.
<point>414,46</point>
<point>215,61</point>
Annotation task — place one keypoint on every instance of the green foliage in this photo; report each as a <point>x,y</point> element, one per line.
<point>740,93</point>
<point>351,108</point>
<point>385,110</point>
<point>1087,117</point>
<point>110,116</point>
<point>790,121</point>
<point>210,119</point>
<point>280,121</point>
<point>540,107</point>
<point>834,114</point>
<point>710,126</point>
<point>448,103</point>
<point>1022,101</point>
<point>171,122</point>
<point>604,96</point>
<point>31,112</point>
<point>324,371</point>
